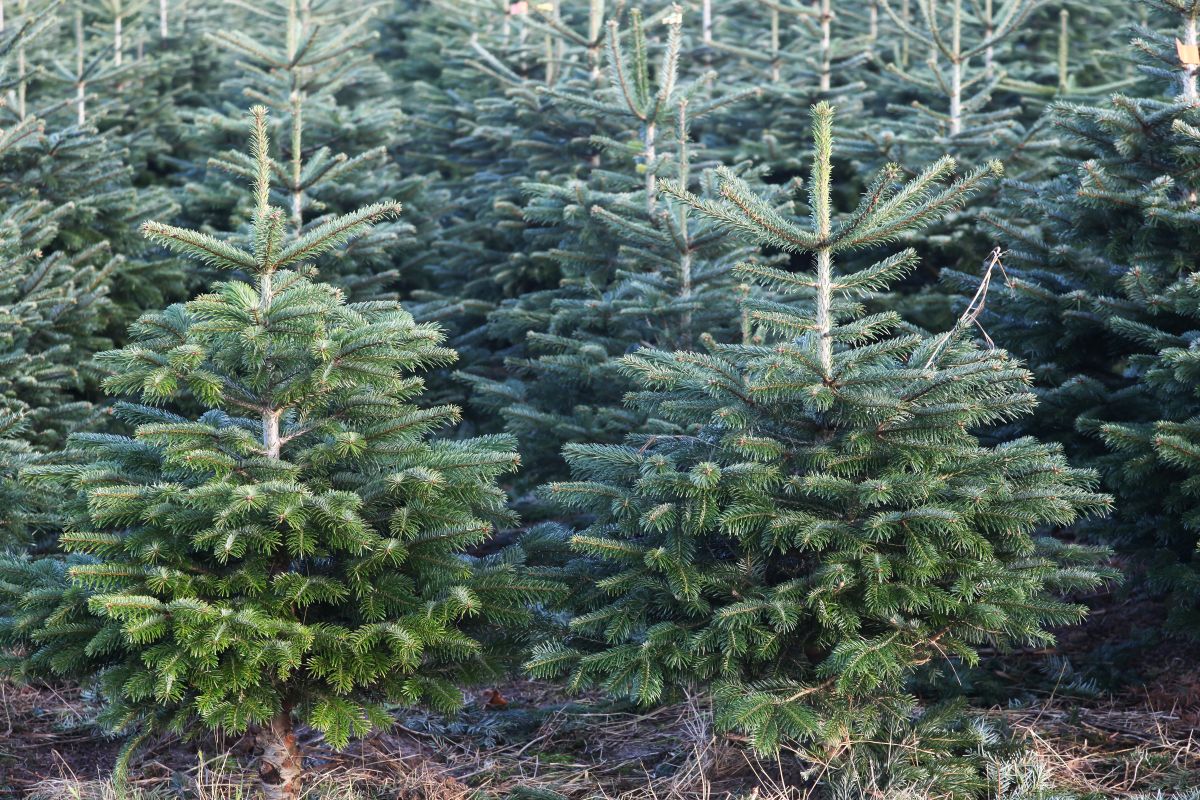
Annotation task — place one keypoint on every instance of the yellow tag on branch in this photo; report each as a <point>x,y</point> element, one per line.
<point>1189,54</point>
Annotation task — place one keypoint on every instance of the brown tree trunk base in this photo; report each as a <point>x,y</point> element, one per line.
<point>280,767</point>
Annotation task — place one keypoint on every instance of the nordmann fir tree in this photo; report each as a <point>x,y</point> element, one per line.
<point>53,304</point>
<point>1158,445</point>
<point>338,118</point>
<point>1087,41</point>
<point>829,521</point>
<point>86,175</point>
<point>293,553</point>
<point>949,82</point>
<point>1099,302</point>
<point>635,270</point>
<point>474,74</point>
<point>795,53</point>
<point>1114,265</point>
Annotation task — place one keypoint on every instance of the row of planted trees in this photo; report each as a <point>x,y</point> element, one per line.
<point>773,461</point>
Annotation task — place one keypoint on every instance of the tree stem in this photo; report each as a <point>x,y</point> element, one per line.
<point>281,768</point>
<point>595,36</point>
<point>826,45</point>
<point>775,71</point>
<point>989,56</point>
<point>21,9</point>
<point>1188,76</point>
<point>956,73</point>
<point>118,37</point>
<point>650,151</point>
<point>293,42</point>
<point>81,83</point>
<point>824,309</point>
<point>1064,50</point>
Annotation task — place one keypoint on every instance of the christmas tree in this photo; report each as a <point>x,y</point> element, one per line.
<point>1100,303</point>
<point>495,126</point>
<point>337,121</point>
<point>793,53</point>
<point>54,284</point>
<point>89,160</point>
<point>829,520</point>
<point>635,270</point>
<point>281,541</point>
<point>954,84</point>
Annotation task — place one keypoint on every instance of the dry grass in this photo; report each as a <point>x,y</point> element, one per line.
<point>587,752</point>
<point>1108,748</point>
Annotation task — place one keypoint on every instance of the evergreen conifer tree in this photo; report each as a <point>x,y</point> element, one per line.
<point>828,521</point>
<point>953,72</point>
<point>635,270</point>
<point>797,53</point>
<point>53,302</point>
<point>338,121</point>
<point>1100,299</point>
<point>1086,39</point>
<point>281,541</point>
<point>87,170</point>
<point>476,75</point>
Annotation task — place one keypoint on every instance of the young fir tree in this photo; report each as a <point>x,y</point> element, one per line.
<point>53,302</point>
<point>794,53</point>
<point>947,79</point>
<point>1100,299</point>
<point>280,541</point>
<point>478,75</point>
<point>828,521</point>
<point>87,171</point>
<point>635,270</point>
<point>338,121</point>
<point>1086,39</point>
<point>941,95</point>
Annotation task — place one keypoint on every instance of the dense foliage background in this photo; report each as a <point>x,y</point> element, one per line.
<point>809,357</point>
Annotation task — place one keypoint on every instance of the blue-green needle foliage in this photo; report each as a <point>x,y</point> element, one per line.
<point>829,522</point>
<point>294,552</point>
<point>1103,303</point>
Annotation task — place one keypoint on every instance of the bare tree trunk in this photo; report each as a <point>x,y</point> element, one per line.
<point>956,73</point>
<point>81,83</point>
<point>162,19</point>
<point>280,764</point>
<point>826,45</point>
<point>1188,79</point>
<point>1064,50</point>
<point>118,39</point>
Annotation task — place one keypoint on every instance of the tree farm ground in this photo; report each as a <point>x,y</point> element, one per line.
<point>1111,713</point>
